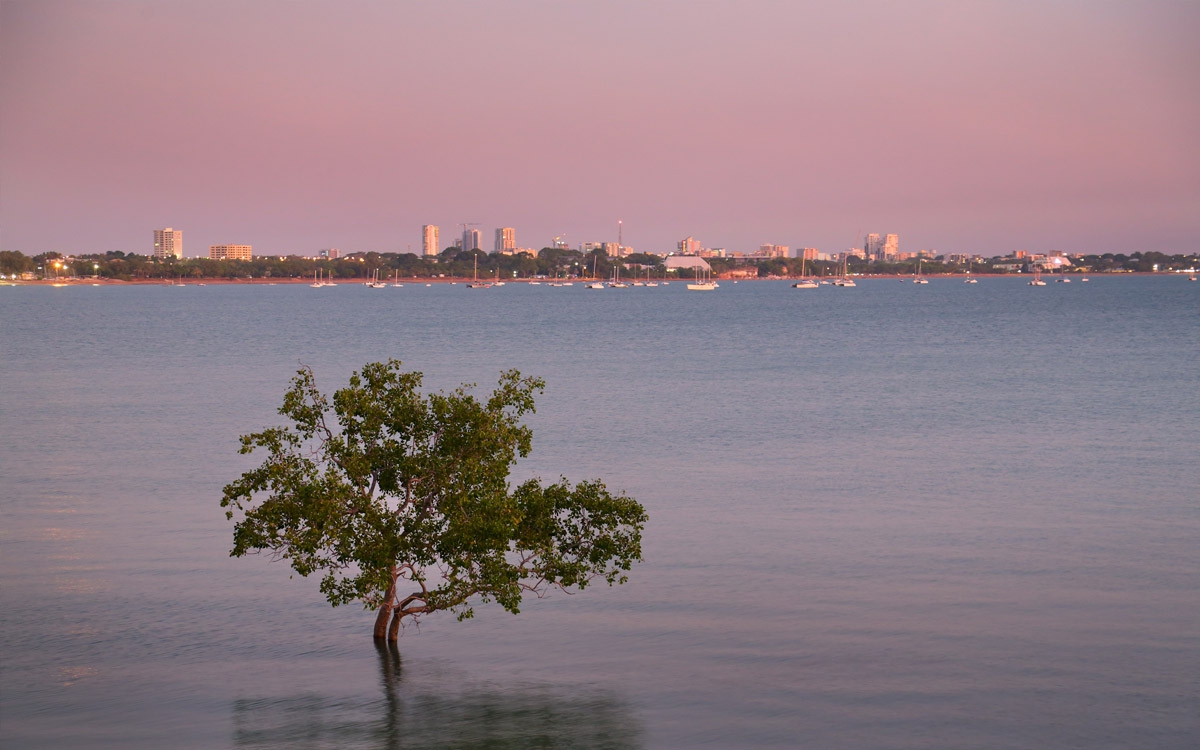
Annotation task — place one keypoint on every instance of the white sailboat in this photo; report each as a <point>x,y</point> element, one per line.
<point>970,279</point>
<point>919,279</point>
<point>804,282</point>
<point>844,279</point>
<point>703,282</point>
<point>1037,277</point>
<point>476,283</point>
<point>594,283</point>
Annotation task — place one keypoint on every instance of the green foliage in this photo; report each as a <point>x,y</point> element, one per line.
<point>382,487</point>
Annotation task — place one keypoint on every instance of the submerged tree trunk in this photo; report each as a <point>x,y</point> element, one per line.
<point>385,613</point>
<point>394,631</point>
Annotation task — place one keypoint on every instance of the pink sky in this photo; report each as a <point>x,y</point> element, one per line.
<point>293,126</point>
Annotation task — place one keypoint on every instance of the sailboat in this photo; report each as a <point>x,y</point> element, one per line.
<point>804,282</point>
<point>1037,277</point>
<point>970,279</point>
<point>1062,276</point>
<point>476,283</point>
<point>594,283</point>
<point>375,283</point>
<point>844,279</point>
<point>703,282</point>
<point>616,282</point>
<point>317,283</point>
<point>396,279</point>
<point>919,279</point>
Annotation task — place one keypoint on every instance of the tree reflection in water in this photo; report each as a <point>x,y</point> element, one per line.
<point>495,717</point>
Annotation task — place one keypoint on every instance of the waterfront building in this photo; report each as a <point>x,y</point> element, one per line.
<point>230,252</point>
<point>429,240</point>
<point>611,249</point>
<point>773,251</point>
<point>168,243</point>
<point>808,253</point>
<point>506,240</point>
<point>689,246</point>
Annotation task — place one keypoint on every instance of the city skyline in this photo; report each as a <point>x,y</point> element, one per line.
<point>981,127</point>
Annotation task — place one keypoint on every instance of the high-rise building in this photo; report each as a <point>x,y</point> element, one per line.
<point>230,252</point>
<point>168,243</point>
<point>689,246</point>
<point>470,240</point>
<point>808,253</point>
<point>891,246</point>
<point>429,240</point>
<point>773,251</point>
<point>872,246</point>
<point>506,240</point>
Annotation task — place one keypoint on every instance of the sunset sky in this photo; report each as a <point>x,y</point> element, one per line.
<point>962,126</point>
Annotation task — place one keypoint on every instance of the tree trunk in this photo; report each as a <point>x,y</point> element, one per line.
<point>394,631</point>
<point>385,612</point>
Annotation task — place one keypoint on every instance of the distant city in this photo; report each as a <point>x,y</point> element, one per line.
<point>877,253</point>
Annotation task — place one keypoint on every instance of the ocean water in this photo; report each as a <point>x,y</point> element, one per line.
<point>894,516</point>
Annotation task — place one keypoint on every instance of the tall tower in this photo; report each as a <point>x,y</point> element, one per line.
<point>168,243</point>
<point>506,240</point>
<point>470,239</point>
<point>872,246</point>
<point>429,240</point>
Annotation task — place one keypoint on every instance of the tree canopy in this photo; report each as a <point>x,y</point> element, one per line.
<point>401,500</point>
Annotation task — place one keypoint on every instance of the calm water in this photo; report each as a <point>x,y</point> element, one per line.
<point>886,517</point>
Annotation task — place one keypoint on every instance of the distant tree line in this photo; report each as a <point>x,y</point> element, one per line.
<point>549,262</point>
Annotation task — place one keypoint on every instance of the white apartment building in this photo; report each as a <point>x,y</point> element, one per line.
<point>429,240</point>
<point>168,243</point>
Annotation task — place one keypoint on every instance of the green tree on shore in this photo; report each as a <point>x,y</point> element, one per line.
<point>402,501</point>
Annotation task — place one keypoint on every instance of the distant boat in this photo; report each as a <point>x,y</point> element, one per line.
<point>1062,277</point>
<point>1037,277</point>
<point>804,282</point>
<point>970,279</point>
<point>919,279</point>
<point>1084,280</point>
<point>477,284</point>
<point>317,279</point>
<point>703,282</point>
<point>844,279</point>
<point>375,283</point>
<point>616,282</point>
<point>396,279</point>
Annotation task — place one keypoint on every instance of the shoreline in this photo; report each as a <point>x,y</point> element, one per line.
<point>101,281</point>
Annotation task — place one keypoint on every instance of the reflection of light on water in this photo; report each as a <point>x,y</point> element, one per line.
<point>57,534</point>
<point>78,586</point>
<point>414,716</point>
<point>71,675</point>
